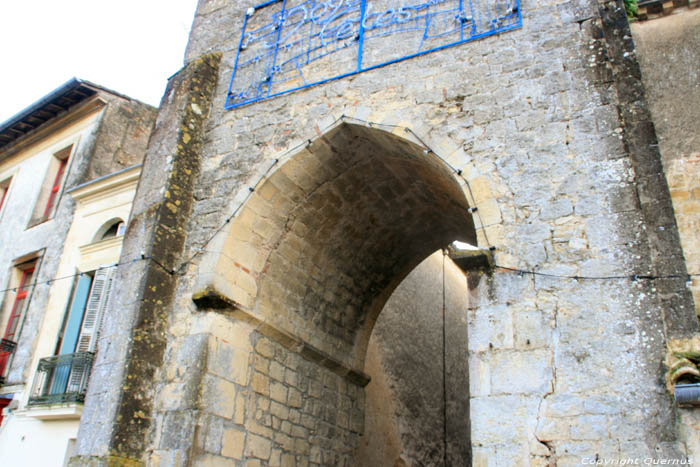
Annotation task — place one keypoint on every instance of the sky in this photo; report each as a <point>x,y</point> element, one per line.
<point>129,46</point>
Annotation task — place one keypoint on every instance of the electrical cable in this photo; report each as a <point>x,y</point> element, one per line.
<point>71,276</point>
<point>428,150</point>
<point>444,364</point>
<point>632,277</point>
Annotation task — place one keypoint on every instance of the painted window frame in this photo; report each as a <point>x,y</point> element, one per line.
<point>5,185</point>
<point>53,184</point>
<point>27,270</point>
<point>81,326</point>
<point>85,311</point>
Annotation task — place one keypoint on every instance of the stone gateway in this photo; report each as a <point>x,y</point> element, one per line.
<point>283,231</point>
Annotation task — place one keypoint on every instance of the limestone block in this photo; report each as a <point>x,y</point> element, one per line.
<point>257,446</point>
<point>479,375</point>
<point>240,409</point>
<point>238,278</point>
<point>315,455</point>
<point>483,456</point>
<point>279,410</point>
<point>562,405</point>
<point>521,372</point>
<point>218,395</point>
<point>275,458</point>
<point>556,209</point>
<point>213,434</point>
<point>232,444</point>
<point>247,254</point>
<point>265,348</point>
<point>277,371</point>
<point>490,327</point>
<point>489,213</point>
<point>567,460</point>
<point>286,427</point>
<point>229,362</point>
<point>288,460</point>
<point>295,398</point>
<point>532,329</point>
<point>261,429</point>
<point>603,404</point>
<point>260,206</point>
<point>263,403</point>
<point>577,448</point>
<point>209,460</point>
<point>171,396</point>
<point>291,378</point>
<point>278,392</point>
<point>502,419</point>
<point>284,441</point>
<point>262,364</point>
<point>634,449</point>
<point>260,384</point>
<point>553,429</point>
<point>481,189</point>
<point>301,446</point>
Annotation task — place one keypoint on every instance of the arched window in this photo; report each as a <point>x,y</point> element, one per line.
<point>112,228</point>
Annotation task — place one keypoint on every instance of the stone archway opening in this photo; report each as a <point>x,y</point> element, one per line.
<point>417,402</point>
<point>317,251</point>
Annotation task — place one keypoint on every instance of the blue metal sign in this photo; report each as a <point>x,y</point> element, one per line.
<point>292,44</point>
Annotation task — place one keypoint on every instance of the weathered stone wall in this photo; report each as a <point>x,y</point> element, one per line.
<point>549,127</point>
<point>668,49</point>
<point>280,410</point>
<point>122,137</point>
<point>117,417</point>
<point>409,406</point>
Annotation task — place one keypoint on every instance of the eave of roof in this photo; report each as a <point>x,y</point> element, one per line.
<point>49,107</point>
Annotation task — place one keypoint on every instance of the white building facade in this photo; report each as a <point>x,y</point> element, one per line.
<point>69,166</point>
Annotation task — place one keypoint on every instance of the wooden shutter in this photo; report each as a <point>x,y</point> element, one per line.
<point>75,315</point>
<point>16,315</point>
<point>99,293</point>
<point>20,304</point>
<point>56,185</point>
<point>70,333</point>
<point>87,341</point>
<point>4,189</point>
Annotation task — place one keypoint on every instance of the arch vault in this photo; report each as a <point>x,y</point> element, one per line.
<point>322,242</point>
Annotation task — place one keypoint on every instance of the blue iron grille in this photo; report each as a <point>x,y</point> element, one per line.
<point>287,45</point>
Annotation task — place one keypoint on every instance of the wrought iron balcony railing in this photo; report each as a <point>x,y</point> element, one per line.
<point>61,379</point>
<point>7,348</point>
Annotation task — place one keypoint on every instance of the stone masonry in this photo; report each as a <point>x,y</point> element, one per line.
<point>414,412</point>
<point>279,230</point>
<point>665,47</point>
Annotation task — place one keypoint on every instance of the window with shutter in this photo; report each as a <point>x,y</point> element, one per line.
<point>92,319</point>
<point>19,307</point>
<point>55,187</point>
<point>51,187</point>
<point>4,188</point>
<point>20,304</point>
<point>69,334</point>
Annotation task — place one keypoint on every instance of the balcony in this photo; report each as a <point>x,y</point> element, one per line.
<point>61,379</point>
<point>7,348</point>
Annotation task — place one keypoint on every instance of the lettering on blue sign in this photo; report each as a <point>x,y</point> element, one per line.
<point>288,45</point>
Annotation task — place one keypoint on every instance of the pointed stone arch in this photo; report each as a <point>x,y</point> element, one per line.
<point>324,240</point>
